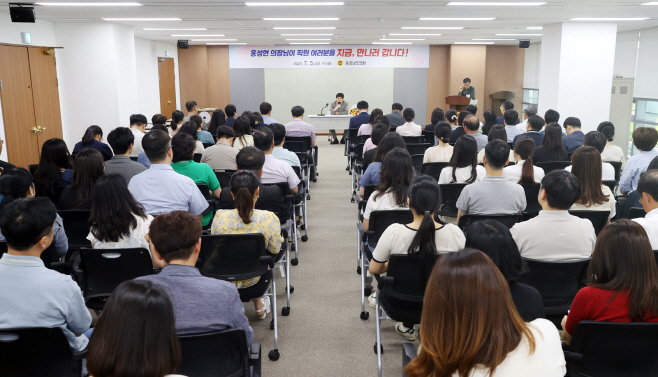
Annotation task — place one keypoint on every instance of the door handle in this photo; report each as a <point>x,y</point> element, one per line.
<point>169,102</point>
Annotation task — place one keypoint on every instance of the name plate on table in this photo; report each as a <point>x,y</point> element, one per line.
<point>330,122</point>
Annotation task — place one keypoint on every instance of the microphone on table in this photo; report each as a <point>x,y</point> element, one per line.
<point>325,106</point>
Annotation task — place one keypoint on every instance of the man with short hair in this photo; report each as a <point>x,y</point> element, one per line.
<point>467,90</point>
<point>32,295</point>
<point>362,117</point>
<point>597,140</point>
<point>575,136</point>
<point>472,127</point>
<point>395,118</point>
<point>647,188</point>
<point>221,156</point>
<point>158,119</point>
<point>230,111</point>
<point>644,139</point>
<point>121,140</point>
<point>529,111</point>
<point>507,105</point>
<point>534,125</point>
<point>192,109</point>
<point>339,107</point>
<point>138,128</point>
<point>297,127</point>
<point>495,194</point>
<point>555,235</point>
<point>266,111</point>
<point>274,171</point>
<point>552,116</point>
<point>201,304</point>
<point>279,152</point>
<point>160,189</point>
<point>509,118</point>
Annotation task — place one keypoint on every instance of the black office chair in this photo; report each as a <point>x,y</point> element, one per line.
<point>613,349</point>
<point>311,152</point>
<point>207,145</point>
<point>449,194</point>
<point>234,257</point>
<point>508,220</point>
<point>219,354</point>
<point>532,207</point>
<point>416,140</point>
<point>417,162</point>
<point>134,158</point>
<point>611,185</point>
<point>433,169</point>
<point>429,137</point>
<point>76,226</point>
<point>549,166</point>
<point>636,212</point>
<point>617,166</point>
<point>38,352</point>
<point>599,219</point>
<point>105,269</point>
<point>205,191</point>
<point>417,148</point>
<point>557,283</point>
<point>224,177</point>
<point>197,157</point>
<point>33,168</point>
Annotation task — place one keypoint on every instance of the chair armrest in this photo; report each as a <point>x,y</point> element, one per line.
<point>61,267</point>
<point>572,357</point>
<point>408,353</point>
<point>366,234</point>
<point>79,355</point>
<point>267,260</point>
<point>384,280</point>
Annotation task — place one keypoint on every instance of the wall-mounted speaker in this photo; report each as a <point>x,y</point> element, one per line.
<point>183,44</point>
<point>20,12</point>
<point>524,43</point>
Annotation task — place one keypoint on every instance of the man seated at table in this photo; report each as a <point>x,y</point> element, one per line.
<point>339,107</point>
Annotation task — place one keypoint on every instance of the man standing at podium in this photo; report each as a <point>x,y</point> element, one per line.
<point>338,107</point>
<point>467,90</point>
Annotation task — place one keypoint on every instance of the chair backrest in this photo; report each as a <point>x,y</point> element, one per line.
<point>433,169</point>
<point>224,177</point>
<point>611,185</point>
<point>417,148</point>
<point>306,140</point>
<point>449,194</point>
<point>429,137</point>
<point>617,166</point>
<point>549,166</point>
<point>233,257</point>
<point>208,145</point>
<point>294,146</point>
<point>616,349</point>
<point>417,162</point>
<point>134,158</point>
<point>205,191</point>
<point>557,282</point>
<point>599,219</point>
<point>35,352</point>
<point>380,220</point>
<point>368,190</point>
<point>352,135</point>
<point>214,354</point>
<point>33,168</point>
<point>76,226</point>
<point>358,152</point>
<point>508,220</point>
<point>416,140</point>
<point>636,212</point>
<point>58,194</point>
<point>408,281</point>
<point>197,157</point>
<point>531,197</point>
<point>105,269</point>
<point>362,139</point>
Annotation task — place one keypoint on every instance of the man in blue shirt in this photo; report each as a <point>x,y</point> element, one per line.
<point>644,139</point>
<point>362,117</point>
<point>266,111</point>
<point>230,111</point>
<point>575,136</point>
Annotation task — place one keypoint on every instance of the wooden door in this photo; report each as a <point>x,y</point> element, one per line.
<point>167,86</point>
<point>18,106</point>
<point>45,94</point>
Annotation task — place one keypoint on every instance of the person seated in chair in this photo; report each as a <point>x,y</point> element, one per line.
<point>443,151</point>
<point>274,170</point>
<point>221,156</point>
<point>121,140</point>
<point>594,195</point>
<point>201,304</point>
<point>279,152</point>
<point>535,125</point>
<point>647,188</point>
<point>369,144</point>
<point>510,118</point>
<point>644,139</point>
<point>556,235</point>
<point>575,136</point>
<point>597,140</point>
<point>409,128</point>
<point>524,171</point>
<point>378,132</point>
<point>297,127</point>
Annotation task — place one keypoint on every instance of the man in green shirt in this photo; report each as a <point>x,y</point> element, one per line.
<point>183,146</point>
<point>467,90</point>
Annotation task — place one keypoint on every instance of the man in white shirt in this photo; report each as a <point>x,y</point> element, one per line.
<point>647,187</point>
<point>510,118</point>
<point>555,235</point>
<point>138,128</point>
<point>598,140</point>
<point>409,128</point>
<point>472,127</point>
<point>274,170</point>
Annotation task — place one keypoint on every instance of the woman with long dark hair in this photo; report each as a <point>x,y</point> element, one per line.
<point>524,171</point>
<point>496,132</point>
<point>423,238</point>
<point>495,240</point>
<point>55,168</point>
<point>245,219</point>
<point>551,146</point>
<point>437,116</point>
<point>252,121</point>
<point>136,334</point>
<point>242,128</point>
<point>470,326</point>
<point>622,280</point>
<point>372,174</point>
<point>93,138</point>
<point>463,166</point>
<point>218,119</point>
<point>490,120</point>
<point>594,195</point>
<point>89,167</point>
<point>366,129</point>
<point>192,129</point>
<point>443,151</point>
<point>177,119</point>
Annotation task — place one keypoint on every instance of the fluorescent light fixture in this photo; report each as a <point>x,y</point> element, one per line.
<point>141,19</point>
<point>651,3</point>
<point>305,28</point>
<point>391,43</point>
<point>92,4</point>
<point>414,34</point>
<point>610,19</point>
<point>457,19</point>
<point>474,43</point>
<point>497,4</point>
<point>302,19</point>
<point>493,39</point>
<point>519,35</point>
<point>402,39</point>
<point>320,43</point>
<point>286,4</point>
<point>534,28</point>
<point>302,39</point>
<point>213,40</point>
<point>166,29</point>
<point>301,35</point>
<point>431,28</point>
<point>197,35</point>
<point>224,44</point>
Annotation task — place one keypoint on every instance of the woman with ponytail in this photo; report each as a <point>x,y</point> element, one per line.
<point>442,152</point>
<point>93,138</point>
<point>452,118</point>
<point>524,171</point>
<point>177,119</point>
<point>422,239</point>
<point>245,219</point>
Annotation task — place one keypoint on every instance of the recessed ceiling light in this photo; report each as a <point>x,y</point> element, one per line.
<point>535,28</point>
<point>457,19</point>
<point>493,39</point>
<point>213,40</point>
<point>498,4</point>
<point>519,35</point>
<point>285,4</point>
<point>413,34</point>
<point>320,43</point>
<point>197,35</point>
<point>305,28</point>
<point>302,19</point>
<point>431,28</point>
<point>610,19</point>
<point>402,39</point>
<point>225,44</point>
<point>300,35</point>
<point>92,4</point>
<point>167,29</point>
<point>392,43</point>
<point>142,19</point>
<point>474,43</point>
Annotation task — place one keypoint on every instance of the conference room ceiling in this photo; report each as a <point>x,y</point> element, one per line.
<point>360,21</point>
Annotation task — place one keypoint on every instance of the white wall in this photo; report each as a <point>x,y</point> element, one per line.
<point>43,32</point>
<point>626,53</point>
<point>646,79</point>
<point>531,66</point>
<point>148,86</point>
<point>549,73</point>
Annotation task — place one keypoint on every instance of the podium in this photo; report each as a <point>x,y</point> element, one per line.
<point>458,103</point>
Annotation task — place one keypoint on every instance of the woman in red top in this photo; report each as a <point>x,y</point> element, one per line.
<point>622,280</point>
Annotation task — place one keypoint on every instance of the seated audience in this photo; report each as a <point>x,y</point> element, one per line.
<point>371,175</point>
<point>644,139</point>
<point>362,115</point>
<point>524,171</point>
<point>135,334</point>
<point>88,168</point>
<point>551,148</point>
<point>192,109</point>
<point>297,127</point>
<point>575,136</point>
<point>55,169</point>
<point>17,184</point>
<point>230,111</point>
<point>594,195</point>
<point>409,128</point>
<point>252,120</point>
<point>470,326</point>
<point>422,239</point>
<point>511,118</point>
<point>529,111</point>
<point>160,189</point>
<point>141,158</point>
<point>443,151</point>
<point>366,129</point>
<point>245,219</point>
<point>495,194</point>
<point>221,156</point>
<point>647,188</point>
<point>217,119</point>
<point>260,122</point>
<point>379,131</point>
<point>177,120</point>
<point>201,304</point>
<point>463,166</point>
<point>495,240</point>
<point>204,137</point>
<point>138,128</point>
<point>274,170</point>
<point>506,106</point>
<point>31,294</point>
<point>391,193</point>
<point>395,117</point>
<point>159,119</point>
<point>453,119</point>
<point>535,125</point>
<point>597,140</point>
<point>556,235</point>
<point>368,145</point>
<point>622,280</point>
<point>459,131</point>
<point>497,132</point>
<point>121,140</point>
<point>611,153</point>
<point>93,138</point>
<point>266,112</point>
<point>472,128</point>
<point>552,116</point>
<point>242,128</point>
<point>190,128</point>
<point>473,110</point>
<point>437,116</point>
<point>279,152</point>
<point>489,121</point>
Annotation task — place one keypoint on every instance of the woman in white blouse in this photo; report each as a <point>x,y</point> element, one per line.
<point>594,195</point>
<point>524,171</point>
<point>409,128</point>
<point>242,128</point>
<point>442,152</point>
<point>470,326</point>
<point>611,153</point>
<point>463,166</point>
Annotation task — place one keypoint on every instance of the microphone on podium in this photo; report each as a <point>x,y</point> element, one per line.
<point>325,106</point>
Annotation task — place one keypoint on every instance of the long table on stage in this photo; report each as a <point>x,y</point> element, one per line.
<point>329,122</point>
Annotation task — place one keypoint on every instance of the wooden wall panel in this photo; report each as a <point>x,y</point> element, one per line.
<point>504,71</point>
<point>45,92</point>
<point>193,73</point>
<point>438,77</point>
<point>468,61</point>
<point>219,80</point>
